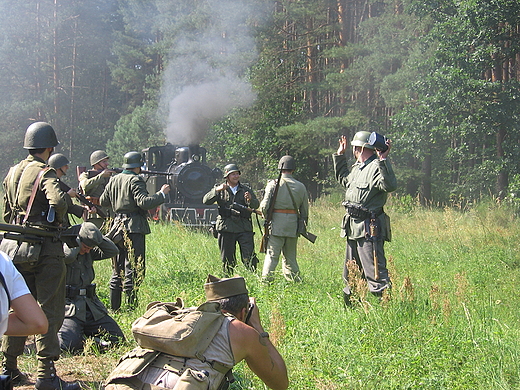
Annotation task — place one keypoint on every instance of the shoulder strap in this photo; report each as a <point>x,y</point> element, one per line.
<point>2,281</point>
<point>33,193</point>
<point>292,198</point>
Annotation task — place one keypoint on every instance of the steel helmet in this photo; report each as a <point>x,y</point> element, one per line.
<point>133,160</point>
<point>40,135</point>
<point>97,156</point>
<point>287,162</point>
<point>230,168</point>
<point>57,161</point>
<point>361,139</point>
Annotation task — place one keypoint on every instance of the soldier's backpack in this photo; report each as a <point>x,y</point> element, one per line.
<point>179,336</point>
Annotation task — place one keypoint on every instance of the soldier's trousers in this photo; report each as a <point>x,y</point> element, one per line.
<point>129,269</point>
<point>288,247</point>
<point>362,252</point>
<point>73,331</point>
<point>227,243</point>
<point>46,281</point>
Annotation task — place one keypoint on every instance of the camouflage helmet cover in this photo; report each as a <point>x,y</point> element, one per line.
<point>361,138</point>
<point>97,156</point>
<point>133,160</point>
<point>40,135</point>
<point>58,161</point>
<point>230,168</point>
<point>287,162</point>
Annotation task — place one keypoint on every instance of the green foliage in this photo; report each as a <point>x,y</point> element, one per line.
<point>135,131</point>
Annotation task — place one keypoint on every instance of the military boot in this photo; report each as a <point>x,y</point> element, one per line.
<point>17,377</point>
<point>48,380</point>
<point>115,299</point>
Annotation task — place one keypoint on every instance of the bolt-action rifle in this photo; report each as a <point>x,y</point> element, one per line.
<point>24,233</point>
<point>269,216</point>
<point>99,210</point>
<point>93,173</point>
<point>238,206</point>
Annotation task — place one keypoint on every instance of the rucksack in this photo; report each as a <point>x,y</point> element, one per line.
<point>186,333</point>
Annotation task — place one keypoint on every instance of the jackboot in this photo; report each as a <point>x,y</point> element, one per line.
<point>48,380</point>
<point>115,299</point>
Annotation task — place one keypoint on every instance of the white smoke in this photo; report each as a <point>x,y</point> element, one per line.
<point>205,77</point>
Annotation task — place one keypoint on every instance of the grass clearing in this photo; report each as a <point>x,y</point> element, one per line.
<point>450,322</point>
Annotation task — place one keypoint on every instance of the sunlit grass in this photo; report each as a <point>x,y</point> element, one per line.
<point>450,322</point>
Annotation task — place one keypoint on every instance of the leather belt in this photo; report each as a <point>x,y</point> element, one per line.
<point>285,211</point>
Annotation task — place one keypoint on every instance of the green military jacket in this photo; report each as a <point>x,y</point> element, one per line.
<point>283,224</point>
<point>231,220</point>
<point>18,186</point>
<point>80,274</point>
<point>93,187</point>
<point>367,184</point>
<point>126,195</point>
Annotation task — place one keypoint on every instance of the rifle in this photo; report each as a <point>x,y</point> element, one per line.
<point>269,217</point>
<point>65,188</point>
<point>309,236</point>
<point>242,207</point>
<point>93,173</point>
<point>24,233</point>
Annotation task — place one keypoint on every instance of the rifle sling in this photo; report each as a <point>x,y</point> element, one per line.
<point>33,193</point>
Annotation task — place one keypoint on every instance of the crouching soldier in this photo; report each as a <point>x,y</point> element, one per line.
<point>85,314</point>
<point>222,332</point>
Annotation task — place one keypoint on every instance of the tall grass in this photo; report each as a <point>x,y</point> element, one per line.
<point>450,322</point>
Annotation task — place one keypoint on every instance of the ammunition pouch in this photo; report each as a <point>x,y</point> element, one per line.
<point>72,291</point>
<point>23,252</point>
<point>359,212</point>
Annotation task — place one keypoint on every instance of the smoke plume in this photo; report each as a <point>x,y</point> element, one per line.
<point>205,77</point>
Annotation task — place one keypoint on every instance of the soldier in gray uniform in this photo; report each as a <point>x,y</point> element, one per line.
<point>234,222</point>
<point>92,183</point>
<point>367,184</point>
<point>289,219</point>
<point>126,195</point>
<point>31,189</point>
<point>85,315</point>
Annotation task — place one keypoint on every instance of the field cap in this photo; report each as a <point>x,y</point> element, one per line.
<point>216,288</point>
<point>90,235</point>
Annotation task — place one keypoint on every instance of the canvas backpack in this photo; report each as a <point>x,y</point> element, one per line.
<point>179,336</point>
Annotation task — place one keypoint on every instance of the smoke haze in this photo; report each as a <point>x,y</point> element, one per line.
<point>205,76</point>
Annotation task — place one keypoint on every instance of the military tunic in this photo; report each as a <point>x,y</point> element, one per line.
<point>234,226</point>
<point>285,228</point>
<point>126,195</point>
<point>46,277</point>
<point>92,188</point>
<point>85,314</point>
<point>367,184</point>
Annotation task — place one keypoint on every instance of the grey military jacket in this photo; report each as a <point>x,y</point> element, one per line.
<point>80,274</point>
<point>367,184</point>
<point>228,221</point>
<point>127,196</point>
<point>284,224</point>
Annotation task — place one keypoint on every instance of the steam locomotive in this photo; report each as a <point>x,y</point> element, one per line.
<point>184,169</point>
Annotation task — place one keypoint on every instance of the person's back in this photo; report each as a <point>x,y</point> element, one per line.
<point>233,342</point>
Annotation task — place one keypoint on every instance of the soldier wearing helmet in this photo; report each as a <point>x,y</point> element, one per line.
<point>235,204</point>
<point>60,164</point>
<point>126,195</point>
<point>365,224</point>
<point>290,203</point>
<point>32,195</point>
<point>93,182</point>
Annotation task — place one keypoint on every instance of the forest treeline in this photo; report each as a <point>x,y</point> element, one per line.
<point>254,80</point>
